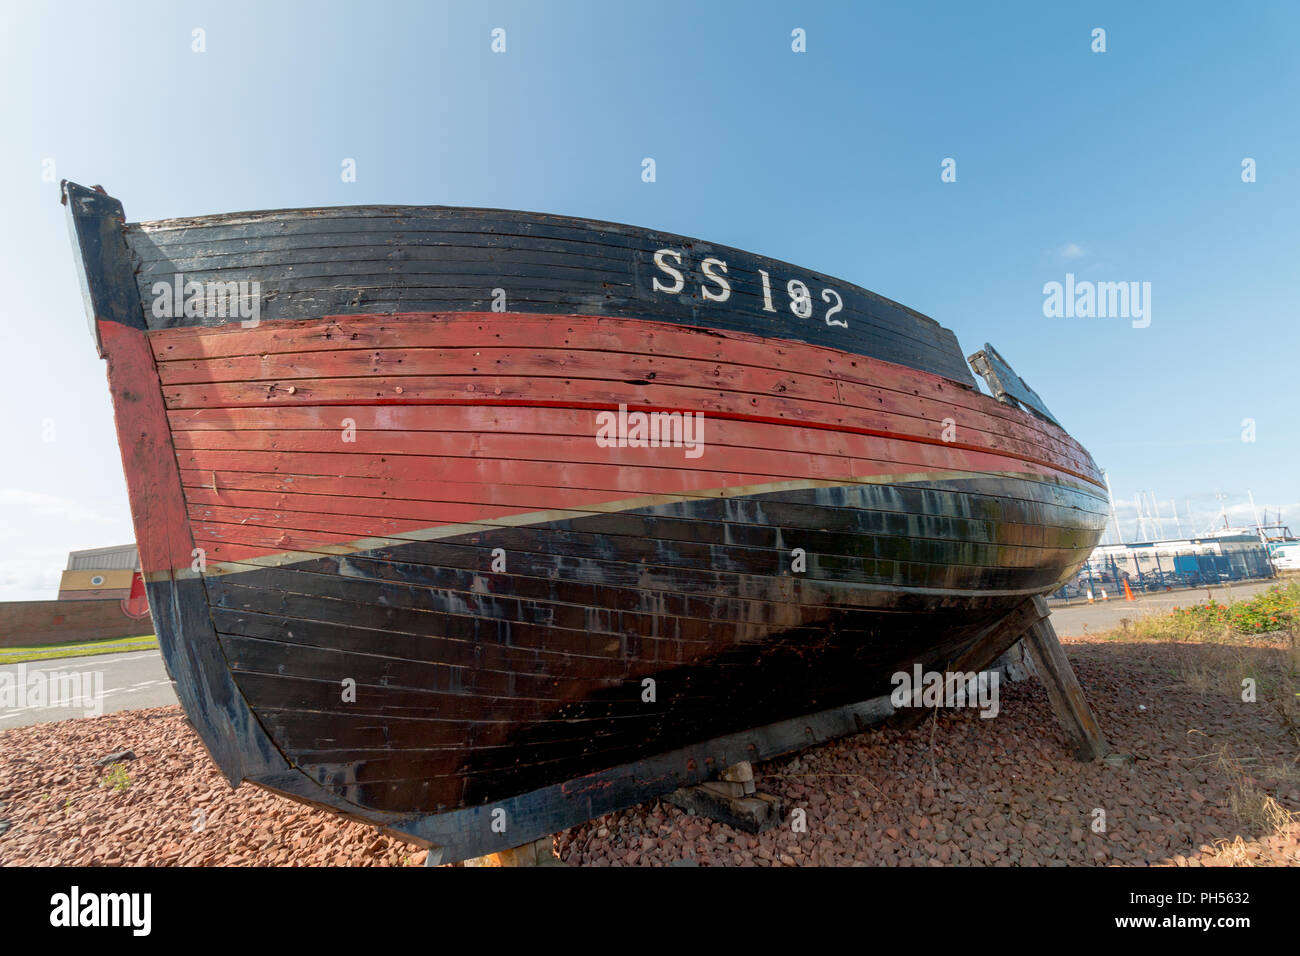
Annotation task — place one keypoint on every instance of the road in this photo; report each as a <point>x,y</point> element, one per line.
<point>136,679</point>
<point>91,685</point>
<point>1077,618</point>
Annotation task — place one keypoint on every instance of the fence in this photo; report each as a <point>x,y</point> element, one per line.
<point>1161,571</point>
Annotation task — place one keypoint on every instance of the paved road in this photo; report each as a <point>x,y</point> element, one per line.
<point>87,686</point>
<point>1104,615</point>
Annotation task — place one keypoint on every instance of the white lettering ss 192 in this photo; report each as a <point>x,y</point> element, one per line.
<point>717,287</point>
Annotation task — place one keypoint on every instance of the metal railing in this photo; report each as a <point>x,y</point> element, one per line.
<point>1149,571</point>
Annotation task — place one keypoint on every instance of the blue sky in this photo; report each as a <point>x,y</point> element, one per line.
<point>1115,166</point>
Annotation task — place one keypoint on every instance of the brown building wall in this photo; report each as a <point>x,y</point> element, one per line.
<point>30,623</point>
<point>100,595</point>
<point>81,586</point>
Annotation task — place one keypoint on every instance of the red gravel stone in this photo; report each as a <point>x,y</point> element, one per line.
<point>998,792</point>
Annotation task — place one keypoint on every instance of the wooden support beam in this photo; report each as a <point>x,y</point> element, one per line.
<point>732,800</point>
<point>983,651</point>
<point>1063,690</point>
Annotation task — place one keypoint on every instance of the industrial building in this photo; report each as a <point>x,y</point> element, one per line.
<point>1179,562</point>
<point>99,573</point>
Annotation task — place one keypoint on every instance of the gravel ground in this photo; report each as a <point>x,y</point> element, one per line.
<point>987,792</point>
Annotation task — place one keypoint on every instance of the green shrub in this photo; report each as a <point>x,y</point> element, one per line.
<point>1277,609</point>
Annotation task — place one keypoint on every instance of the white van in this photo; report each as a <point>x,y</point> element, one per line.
<point>1287,557</point>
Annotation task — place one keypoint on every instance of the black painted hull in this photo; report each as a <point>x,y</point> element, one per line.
<point>473,687</point>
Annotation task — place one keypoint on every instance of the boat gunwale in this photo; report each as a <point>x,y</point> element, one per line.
<point>377,211</point>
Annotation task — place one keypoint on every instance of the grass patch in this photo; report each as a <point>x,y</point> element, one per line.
<point>115,776</point>
<point>116,645</point>
<point>1215,670</point>
<point>1249,802</point>
<point>1272,616</point>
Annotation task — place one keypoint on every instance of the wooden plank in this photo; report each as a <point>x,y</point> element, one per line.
<point>942,564</point>
<point>555,461</point>
<point>714,436</point>
<point>413,228</point>
<point>506,418</point>
<point>876,325</point>
<point>889,383</point>
<point>831,508</point>
<point>1018,504</point>
<point>878,559</point>
<point>713,396</point>
<point>724,446</point>
<point>907,414</point>
<point>830,555</point>
<point>1063,690</point>
<point>103,267</point>
<point>454,232</point>
<point>649,525</point>
<point>1006,385</point>
<point>284,300</point>
<point>381,581</point>
<point>538,853</point>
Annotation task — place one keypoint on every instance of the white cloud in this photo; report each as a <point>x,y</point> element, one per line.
<point>32,577</point>
<point>1072,251</point>
<point>37,503</point>
<point>37,530</point>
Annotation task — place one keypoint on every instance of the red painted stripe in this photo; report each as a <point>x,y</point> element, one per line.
<point>893,417</point>
<point>518,459</point>
<point>736,417</point>
<point>633,337</point>
<point>539,361</point>
<point>531,419</point>
<point>162,526</point>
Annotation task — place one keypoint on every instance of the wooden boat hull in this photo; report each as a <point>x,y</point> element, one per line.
<point>396,569</point>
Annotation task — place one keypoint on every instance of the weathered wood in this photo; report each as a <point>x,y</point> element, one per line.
<point>532,815</point>
<point>726,429</point>
<point>735,393</point>
<point>1063,690</point>
<point>549,352</point>
<point>636,475</point>
<point>366,264</point>
<point>749,813</point>
<point>732,799</point>
<point>524,331</point>
<point>108,287</point>
<point>1006,385</point>
<point>640,528</point>
<point>826,423</point>
<point>528,332</point>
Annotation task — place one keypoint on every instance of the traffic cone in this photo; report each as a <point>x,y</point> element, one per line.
<point>1090,601</point>
<point>1103,595</point>
<point>1128,591</point>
